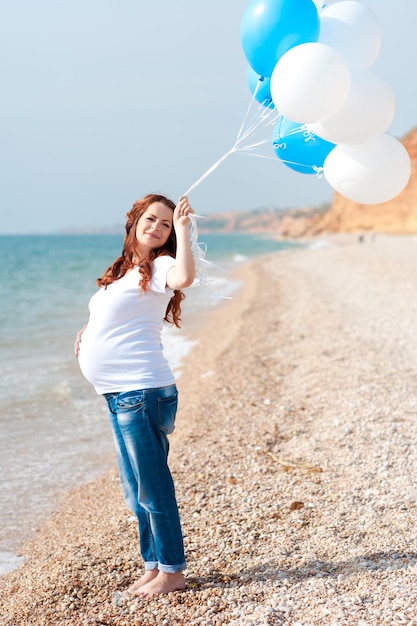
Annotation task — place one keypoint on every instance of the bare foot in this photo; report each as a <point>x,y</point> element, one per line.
<point>146,578</point>
<point>162,583</point>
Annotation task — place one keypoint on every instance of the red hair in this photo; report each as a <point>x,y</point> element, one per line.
<point>125,261</point>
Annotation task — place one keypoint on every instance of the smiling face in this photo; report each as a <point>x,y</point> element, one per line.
<point>153,228</point>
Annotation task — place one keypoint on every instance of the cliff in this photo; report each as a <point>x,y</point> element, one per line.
<point>283,222</point>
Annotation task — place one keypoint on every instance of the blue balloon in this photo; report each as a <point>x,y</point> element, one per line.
<point>271,27</point>
<point>298,148</point>
<point>260,87</point>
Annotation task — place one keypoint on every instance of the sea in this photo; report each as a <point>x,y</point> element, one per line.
<point>54,433</point>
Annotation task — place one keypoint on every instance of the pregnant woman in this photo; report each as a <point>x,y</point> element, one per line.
<point>121,355</point>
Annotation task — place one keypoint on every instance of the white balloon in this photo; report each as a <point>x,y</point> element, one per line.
<point>310,82</point>
<point>353,30</point>
<point>366,113</point>
<point>369,173</point>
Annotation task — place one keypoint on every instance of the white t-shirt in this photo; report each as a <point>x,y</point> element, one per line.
<point>121,347</point>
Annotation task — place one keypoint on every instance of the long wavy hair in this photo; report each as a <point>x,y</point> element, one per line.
<point>125,261</point>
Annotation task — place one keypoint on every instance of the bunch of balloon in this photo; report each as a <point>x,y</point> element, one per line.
<point>317,58</point>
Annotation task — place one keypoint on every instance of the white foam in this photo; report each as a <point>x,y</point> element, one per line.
<point>240,258</point>
<point>176,348</point>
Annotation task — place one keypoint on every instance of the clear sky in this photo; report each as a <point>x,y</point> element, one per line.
<point>103,101</point>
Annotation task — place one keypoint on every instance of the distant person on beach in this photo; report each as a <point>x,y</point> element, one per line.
<point>121,355</point>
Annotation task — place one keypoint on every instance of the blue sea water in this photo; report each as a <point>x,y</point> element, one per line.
<point>53,427</point>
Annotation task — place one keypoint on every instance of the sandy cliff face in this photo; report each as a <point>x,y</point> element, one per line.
<point>396,216</point>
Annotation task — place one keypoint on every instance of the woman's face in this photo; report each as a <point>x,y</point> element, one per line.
<point>154,227</point>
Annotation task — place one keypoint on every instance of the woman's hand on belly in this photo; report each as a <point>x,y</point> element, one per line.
<point>78,341</point>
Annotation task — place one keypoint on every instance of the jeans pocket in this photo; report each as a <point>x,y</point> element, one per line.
<point>130,400</point>
<point>167,411</point>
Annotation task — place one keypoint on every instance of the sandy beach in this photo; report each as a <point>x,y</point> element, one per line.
<point>294,458</point>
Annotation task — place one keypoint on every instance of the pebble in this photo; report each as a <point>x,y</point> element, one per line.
<point>341,399</point>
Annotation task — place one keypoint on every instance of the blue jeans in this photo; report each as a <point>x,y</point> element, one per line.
<point>141,421</point>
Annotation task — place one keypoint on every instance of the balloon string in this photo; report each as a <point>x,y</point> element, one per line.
<point>202,266</point>
<point>251,122</point>
<point>248,110</point>
<point>262,117</point>
<point>317,169</point>
<point>208,172</point>
<point>254,145</point>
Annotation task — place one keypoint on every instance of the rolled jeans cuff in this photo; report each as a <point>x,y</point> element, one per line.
<point>163,567</point>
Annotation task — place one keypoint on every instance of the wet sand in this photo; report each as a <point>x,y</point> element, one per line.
<point>294,457</point>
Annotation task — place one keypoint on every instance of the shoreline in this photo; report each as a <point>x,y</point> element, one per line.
<point>295,434</point>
